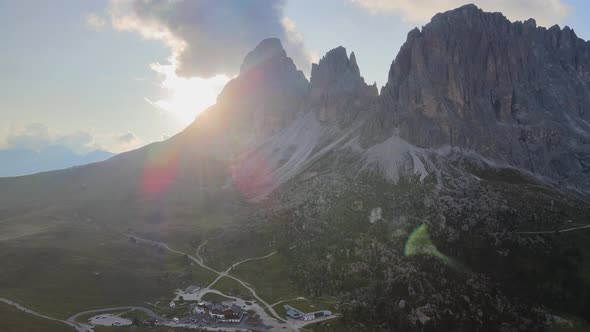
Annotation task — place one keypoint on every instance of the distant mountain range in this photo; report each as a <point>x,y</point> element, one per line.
<point>17,162</point>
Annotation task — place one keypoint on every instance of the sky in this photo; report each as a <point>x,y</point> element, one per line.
<point>119,74</point>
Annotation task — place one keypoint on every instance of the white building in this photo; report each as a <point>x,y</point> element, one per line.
<point>192,289</point>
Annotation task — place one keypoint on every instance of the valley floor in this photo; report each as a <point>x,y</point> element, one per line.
<point>83,281</point>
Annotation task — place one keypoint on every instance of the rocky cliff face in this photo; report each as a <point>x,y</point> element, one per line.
<point>513,92</point>
<point>338,93</point>
<point>266,95</point>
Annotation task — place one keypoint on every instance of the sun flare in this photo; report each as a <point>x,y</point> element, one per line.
<point>186,97</point>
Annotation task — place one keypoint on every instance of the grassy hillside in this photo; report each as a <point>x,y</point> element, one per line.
<point>73,267</point>
<point>14,320</point>
<point>269,277</point>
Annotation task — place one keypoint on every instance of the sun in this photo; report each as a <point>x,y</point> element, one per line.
<point>186,97</point>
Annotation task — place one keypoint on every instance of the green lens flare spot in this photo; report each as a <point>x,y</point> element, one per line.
<point>419,243</point>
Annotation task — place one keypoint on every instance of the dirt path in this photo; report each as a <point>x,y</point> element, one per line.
<point>557,231</point>
<point>199,250</point>
<point>274,320</point>
<point>198,253</point>
<point>252,259</point>
<point>219,274</point>
<point>300,298</point>
<point>76,326</point>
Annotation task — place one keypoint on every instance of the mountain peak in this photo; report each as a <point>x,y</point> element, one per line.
<point>470,7</point>
<point>335,74</point>
<point>353,61</point>
<point>265,50</point>
<point>337,89</point>
<point>465,10</point>
<point>267,93</point>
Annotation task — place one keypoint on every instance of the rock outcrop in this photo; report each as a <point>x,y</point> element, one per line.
<point>514,92</point>
<point>338,92</point>
<point>266,95</point>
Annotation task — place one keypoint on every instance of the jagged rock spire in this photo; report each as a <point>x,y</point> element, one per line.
<point>337,89</point>
<point>335,75</point>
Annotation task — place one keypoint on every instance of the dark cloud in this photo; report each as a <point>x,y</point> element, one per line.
<point>210,37</point>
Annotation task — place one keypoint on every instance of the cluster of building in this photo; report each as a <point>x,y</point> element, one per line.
<point>226,312</point>
<point>297,314</point>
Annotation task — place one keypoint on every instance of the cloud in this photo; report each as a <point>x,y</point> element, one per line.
<point>95,22</point>
<point>209,37</point>
<point>126,141</point>
<point>295,48</point>
<point>37,136</point>
<point>545,12</point>
<point>127,138</point>
<point>77,141</point>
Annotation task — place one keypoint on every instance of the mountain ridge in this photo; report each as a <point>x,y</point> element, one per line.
<point>270,95</point>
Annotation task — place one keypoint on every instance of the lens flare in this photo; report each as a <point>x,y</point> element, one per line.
<point>251,175</point>
<point>159,172</point>
<point>419,243</point>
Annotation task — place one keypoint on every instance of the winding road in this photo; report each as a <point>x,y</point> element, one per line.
<point>273,321</point>
<point>220,275</point>
<point>73,319</point>
<point>78,327</point>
